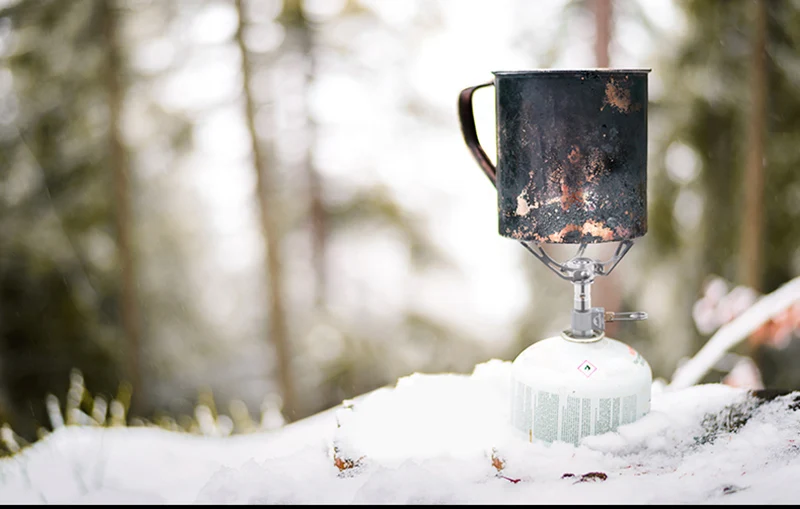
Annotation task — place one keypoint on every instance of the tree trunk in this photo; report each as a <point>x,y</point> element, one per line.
<point>606,289</point>
<point>300,37</point>
<point>269,214</point>
<point>317,210</point>
<point>752,233</point>
<point>129,306</point>
<point>602,23</point>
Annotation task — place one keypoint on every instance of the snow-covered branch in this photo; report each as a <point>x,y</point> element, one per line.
<point>732,333</point>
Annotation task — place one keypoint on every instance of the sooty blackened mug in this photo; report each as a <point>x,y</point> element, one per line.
<point>571,153</point>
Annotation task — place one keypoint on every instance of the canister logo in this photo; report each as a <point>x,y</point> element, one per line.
<point>587,368</point>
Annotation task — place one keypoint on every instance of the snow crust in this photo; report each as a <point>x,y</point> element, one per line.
<point>433,439</point>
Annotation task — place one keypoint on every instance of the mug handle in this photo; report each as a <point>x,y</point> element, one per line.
<point>467,119</point>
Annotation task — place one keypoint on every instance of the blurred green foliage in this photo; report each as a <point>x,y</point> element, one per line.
<point>706,107</point>
<point>59,301</point>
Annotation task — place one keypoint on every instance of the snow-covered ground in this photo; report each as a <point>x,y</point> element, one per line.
<point>433,439</point>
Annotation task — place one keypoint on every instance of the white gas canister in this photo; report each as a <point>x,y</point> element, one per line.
<point>565,388</point>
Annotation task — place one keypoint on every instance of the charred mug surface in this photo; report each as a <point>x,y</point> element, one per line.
<point>572,155</point>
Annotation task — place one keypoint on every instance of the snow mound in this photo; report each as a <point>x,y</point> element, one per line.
<point>435,439</point>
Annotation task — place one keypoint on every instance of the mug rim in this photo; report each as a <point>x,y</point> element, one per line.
<point>571,71</point>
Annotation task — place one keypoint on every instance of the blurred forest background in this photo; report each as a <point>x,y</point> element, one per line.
<point>259,208</point>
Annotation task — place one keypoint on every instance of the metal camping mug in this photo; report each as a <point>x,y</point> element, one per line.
<point>571,153</point>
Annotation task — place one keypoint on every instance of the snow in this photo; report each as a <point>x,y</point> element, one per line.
<point>433,439</point>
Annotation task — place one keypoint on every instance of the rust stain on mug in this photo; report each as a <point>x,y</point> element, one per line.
<point>617,96</point>
<point>590,228</point>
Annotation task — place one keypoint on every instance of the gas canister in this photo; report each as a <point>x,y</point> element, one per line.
<point>565,388</point>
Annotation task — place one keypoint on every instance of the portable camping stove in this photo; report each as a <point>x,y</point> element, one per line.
<point>572,169</point>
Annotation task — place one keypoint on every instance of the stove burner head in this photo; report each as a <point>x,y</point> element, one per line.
<point>571,154</point>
